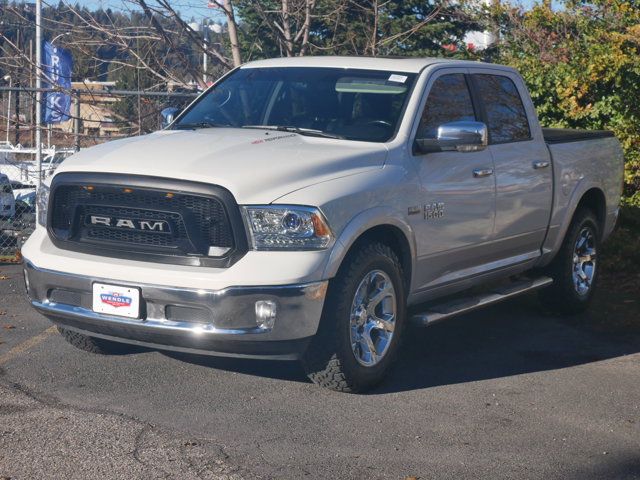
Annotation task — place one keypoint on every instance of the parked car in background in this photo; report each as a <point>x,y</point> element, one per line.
<point>51,162</point>
<point>7,200</point>
<point>21,190</point>
<point>307,208</point>
<point>26,204</point>
<point>26,172</point>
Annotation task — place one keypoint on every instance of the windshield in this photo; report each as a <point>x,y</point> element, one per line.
<point>334,102</point>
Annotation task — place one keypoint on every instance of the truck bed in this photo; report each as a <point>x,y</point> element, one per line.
<point>566,135</point>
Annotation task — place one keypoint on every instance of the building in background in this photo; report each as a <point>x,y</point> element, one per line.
<point>96,111</point>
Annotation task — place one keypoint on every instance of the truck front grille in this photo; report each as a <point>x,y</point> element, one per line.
<point>141,220</point>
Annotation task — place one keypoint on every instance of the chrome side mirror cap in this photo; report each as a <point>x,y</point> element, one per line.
<point>168,115</point>
<point>456,136</point>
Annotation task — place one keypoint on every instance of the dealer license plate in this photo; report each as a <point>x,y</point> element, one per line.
<point>116,300</point>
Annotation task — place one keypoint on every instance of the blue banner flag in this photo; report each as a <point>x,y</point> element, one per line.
<point>57,65</point>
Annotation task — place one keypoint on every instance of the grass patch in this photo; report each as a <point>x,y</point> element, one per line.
<point>620,259</point>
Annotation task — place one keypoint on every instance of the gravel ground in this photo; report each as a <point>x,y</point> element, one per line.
<point>509,392</point>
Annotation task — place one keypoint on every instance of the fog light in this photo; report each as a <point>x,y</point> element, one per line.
<point>265,313</point>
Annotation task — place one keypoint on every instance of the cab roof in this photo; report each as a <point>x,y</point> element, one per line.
<point>394,64</point>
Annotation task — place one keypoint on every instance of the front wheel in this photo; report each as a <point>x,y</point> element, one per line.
<point>361,324</point>
<point>575,268</point>
<point>96,345</point>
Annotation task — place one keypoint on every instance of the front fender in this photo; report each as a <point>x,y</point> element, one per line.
<point>364,221</point>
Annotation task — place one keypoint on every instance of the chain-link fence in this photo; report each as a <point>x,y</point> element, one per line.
<point>14,232</point>
<point>98,114</point>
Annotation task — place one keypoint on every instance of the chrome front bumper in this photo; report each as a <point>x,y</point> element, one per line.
<point>214,322</point>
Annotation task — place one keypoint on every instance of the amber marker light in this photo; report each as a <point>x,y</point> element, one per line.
<point>320,227</point>
<point>127,190</point>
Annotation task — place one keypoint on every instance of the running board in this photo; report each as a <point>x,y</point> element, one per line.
<point>435,313</point>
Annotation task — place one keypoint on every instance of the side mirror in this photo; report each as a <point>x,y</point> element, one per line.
<point>456,136</point>
<point>168,115</point>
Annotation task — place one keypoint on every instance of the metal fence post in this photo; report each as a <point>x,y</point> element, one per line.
<point>17,113</point>
<point>76,122</point>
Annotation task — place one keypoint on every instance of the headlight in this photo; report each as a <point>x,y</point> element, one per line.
<point>282,227</point>
<point>42,202</point>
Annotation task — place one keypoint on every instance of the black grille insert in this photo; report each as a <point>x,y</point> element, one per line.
<point>67,297</point>
<point>138,219</point>
<point>188,314</point>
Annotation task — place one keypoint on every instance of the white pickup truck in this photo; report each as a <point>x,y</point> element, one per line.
<point>308,208</point>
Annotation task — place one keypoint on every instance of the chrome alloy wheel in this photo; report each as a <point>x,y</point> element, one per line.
<point>584,261</point>
<point>373,318</point>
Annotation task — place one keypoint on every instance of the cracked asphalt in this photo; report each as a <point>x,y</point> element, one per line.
<point>509,392</point>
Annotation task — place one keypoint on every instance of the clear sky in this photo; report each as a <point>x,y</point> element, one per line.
<point>188,8</point>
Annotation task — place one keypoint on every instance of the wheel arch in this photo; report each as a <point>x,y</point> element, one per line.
<point>595,200</point>
<point>589,195</point>
<point>374,225</point>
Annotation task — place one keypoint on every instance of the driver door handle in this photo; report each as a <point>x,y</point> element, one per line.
<point>482,172</point>
<point>540,164</point>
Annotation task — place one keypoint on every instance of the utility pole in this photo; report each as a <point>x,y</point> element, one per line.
<point>205,27</point>
<point>9,79</point>
<point>32,113</point>
<point>202,27</point>
<point>39,91</point>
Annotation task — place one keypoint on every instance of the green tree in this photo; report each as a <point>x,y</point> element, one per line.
<point>355,27</point>
<point>582,65</point>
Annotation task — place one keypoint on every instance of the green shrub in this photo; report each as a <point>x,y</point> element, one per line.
<point>581,62</point>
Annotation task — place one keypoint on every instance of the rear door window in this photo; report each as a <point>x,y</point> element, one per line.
<point>506,117</point>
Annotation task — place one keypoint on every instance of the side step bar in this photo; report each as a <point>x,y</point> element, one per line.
<point>435,313</point>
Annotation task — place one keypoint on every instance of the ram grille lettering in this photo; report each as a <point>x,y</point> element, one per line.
<point>161,226</point>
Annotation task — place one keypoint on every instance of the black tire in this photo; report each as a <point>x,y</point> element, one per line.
<point>96,345</point>
<point>562,296</point>
<point>330,361</point>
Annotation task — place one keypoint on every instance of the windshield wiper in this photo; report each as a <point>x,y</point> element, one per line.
<point>299,130</point>
<point>193,126</point>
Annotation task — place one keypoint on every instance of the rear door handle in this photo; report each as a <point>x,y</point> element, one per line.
<point>540,164</point>
<point>482,172</point>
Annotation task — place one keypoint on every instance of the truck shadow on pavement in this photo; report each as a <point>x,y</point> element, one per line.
<point>623,467</point>
<point>509,339</point>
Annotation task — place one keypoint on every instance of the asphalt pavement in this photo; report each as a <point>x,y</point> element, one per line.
<point>508,392</point>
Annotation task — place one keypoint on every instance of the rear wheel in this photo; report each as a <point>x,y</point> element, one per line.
<point>96,345</point>
<point>575,268</point>
<point>361,324</point>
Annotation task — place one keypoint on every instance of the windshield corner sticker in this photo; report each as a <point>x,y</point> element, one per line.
<point>398,78</point>
<point>271,139</point>
<point>115,299</point>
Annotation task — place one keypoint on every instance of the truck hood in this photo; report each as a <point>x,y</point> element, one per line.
<point>257,166</point>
